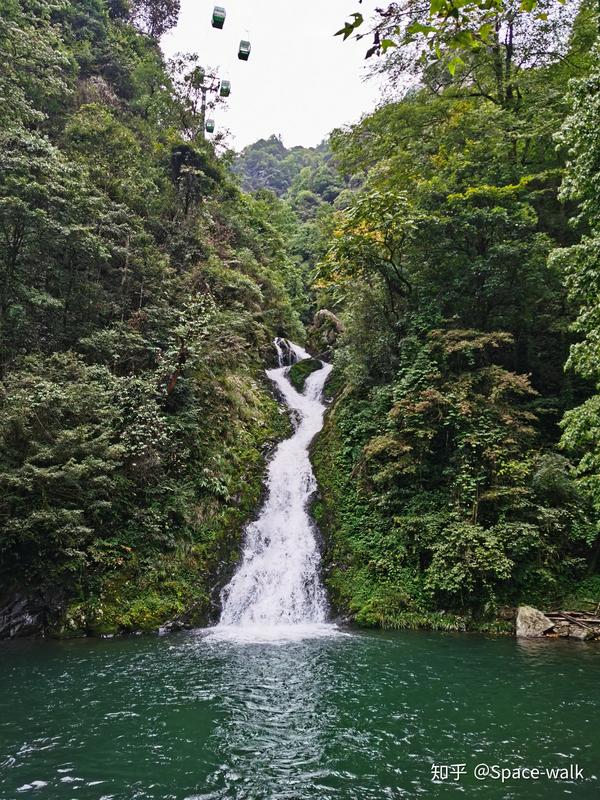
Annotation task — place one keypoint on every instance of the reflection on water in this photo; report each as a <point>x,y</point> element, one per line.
<point>273,736</point>
<point>361,717</point>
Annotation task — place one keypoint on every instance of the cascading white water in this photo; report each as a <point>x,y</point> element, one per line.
<point>276,592</point>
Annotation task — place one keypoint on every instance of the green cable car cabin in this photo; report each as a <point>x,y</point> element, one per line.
<point>225,89</point>
<point>218,17</point>
<point>210,125</point>
<point>244,51</point>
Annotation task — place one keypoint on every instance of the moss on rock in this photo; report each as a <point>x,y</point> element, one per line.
<point>300,371</point>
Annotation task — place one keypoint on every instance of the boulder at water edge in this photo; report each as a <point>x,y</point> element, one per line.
<point>531,622</point>
<point>577,632</point>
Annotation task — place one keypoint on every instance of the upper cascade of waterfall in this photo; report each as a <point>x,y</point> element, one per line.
<point>289,353</point>
<point>276,591</point>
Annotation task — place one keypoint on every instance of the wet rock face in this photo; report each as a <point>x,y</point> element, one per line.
<point>531,623</point>
<point>20,618</point>
<point>289,357</point>
<point>284,353</point>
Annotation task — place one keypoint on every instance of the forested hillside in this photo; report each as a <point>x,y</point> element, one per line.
<point>269,164</point>
<point>300,185</point>
<point>443,252</point>
<point>459,466</point>
<point>140,290</point>
<point>263,400</point>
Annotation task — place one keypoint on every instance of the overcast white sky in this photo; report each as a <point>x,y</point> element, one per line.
<point>300,81</point>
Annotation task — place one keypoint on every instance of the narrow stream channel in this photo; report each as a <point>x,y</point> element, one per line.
<point>276,592</point>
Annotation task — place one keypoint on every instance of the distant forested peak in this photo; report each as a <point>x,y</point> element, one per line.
<point>269,164</point>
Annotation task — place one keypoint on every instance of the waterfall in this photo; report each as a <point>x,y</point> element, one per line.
<point>288,353</point>
<point>276,591</point>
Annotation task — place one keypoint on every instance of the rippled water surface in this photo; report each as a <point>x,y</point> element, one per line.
<point>356,717</point>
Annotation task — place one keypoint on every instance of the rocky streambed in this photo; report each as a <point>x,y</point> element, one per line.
<point>578,625</point>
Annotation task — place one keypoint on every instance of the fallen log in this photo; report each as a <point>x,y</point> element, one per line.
<point>558,616</point>
<point>579,622</point>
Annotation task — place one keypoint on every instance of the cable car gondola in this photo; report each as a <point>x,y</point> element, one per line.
<point>210,125</point>
<point>218,17</point>
<point>244,50</point>
<point>225,89</point>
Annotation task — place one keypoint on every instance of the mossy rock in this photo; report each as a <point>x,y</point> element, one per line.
<point>300,371</point>
<point>324,332</point>
<point>104,629</point>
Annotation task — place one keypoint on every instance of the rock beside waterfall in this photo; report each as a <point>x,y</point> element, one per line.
<point>286,352</point>
<point>300,371</point>
<point>578,625</point>
<point>531,623</point>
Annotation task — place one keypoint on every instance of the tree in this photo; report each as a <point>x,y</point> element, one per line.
<point>479,46</point>
<point>57,477</point>
<point>197,89</point>
<point>370,237</point>
<point>441,480</point>
<point>36,72</point>
<point>155,17</point>
<point>96,137</point>
<point>580,136</point>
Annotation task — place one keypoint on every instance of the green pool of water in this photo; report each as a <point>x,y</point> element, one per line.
<point>355,717</point>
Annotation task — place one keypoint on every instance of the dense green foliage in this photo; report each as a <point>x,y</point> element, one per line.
<point>463,281</point>
<point>139,293</point>
<point>581,263</point>
<point>296,187</point>
<point>433,36</point>
<point>448,244</point>
<point>268,164</point>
